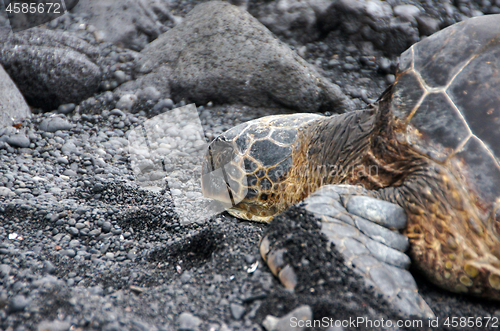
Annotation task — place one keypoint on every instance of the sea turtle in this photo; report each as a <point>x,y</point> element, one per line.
<point>430,144</point>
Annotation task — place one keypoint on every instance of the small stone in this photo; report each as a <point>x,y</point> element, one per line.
<point>69,252</point>
<point>66,109</point>
<point>54,326</point>
<point>302,313</point>
<point>249,258</point>
<point>390,78</point>
<point>6,192</point>
<point>54,124</point>
<point>68,148</point>
<point>73,231</point>
<point>163,104</point>
<point>120,76</point>
<point>19,140</point>
<point>149,93</point>
<point>132,256</point>
<point>186,277</point>
<point>188,322</point>
<point>70,173</point>
<point>48,267</point>
<point>106,226</point>
<point>18,303</point>
<point>237,311</point>
<point>116,232</point>
<point>4,270</point>
<point>406,10</point>
<point>74,243</point>
<point>427,25</point>
<point>116,112</point>
<point>62,160</point>
<point>137,289</point>
<point>127,101</point>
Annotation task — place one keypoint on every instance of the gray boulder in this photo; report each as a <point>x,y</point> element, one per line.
<point>30,56</point>
<point>13,107</point>
<point>371,20</point>
<point>233,58</point>
<point>4,21</point>
<point>285,16</point>
<point>128,23</point>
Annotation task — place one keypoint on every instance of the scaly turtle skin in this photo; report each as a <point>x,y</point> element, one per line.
<point>430,144</point>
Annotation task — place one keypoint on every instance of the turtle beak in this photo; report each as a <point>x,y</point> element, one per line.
<point>221,177</point>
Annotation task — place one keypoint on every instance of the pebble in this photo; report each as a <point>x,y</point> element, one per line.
<point>186,277</point>
<point>54,124</point>
<point>4,270</point>
<point>19,140</point>
<point>106,226</point>
<point>163,104</point>
<point>48,267</point>
<point>70,173</point>
<point>406,10</point>
<point>54,326</point>
<point>6,192</point>
<point>18,303</point>
<point>66,108</point>
<point>120,76</point>
<point>127,101</point>
<point>74,243</point>
<point>427,25</point>
<point>70,252</point>
<point>237,311</point>
<point>149,93</point>
<point>302,313</point>
<point>132,256</point>
<point>188,322</point>
<point>117,112</point>
<point>62,160</point>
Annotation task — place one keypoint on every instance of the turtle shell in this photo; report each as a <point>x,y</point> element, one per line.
<point>255,157</point>
<point>446,104</point>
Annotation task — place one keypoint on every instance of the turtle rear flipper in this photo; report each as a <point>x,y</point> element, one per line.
<point>374,252</point>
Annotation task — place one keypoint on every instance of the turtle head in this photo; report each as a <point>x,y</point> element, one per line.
<point>225,181</point>
<point>222,178</point>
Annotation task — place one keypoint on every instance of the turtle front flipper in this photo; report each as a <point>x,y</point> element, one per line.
<point>373,251</point>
